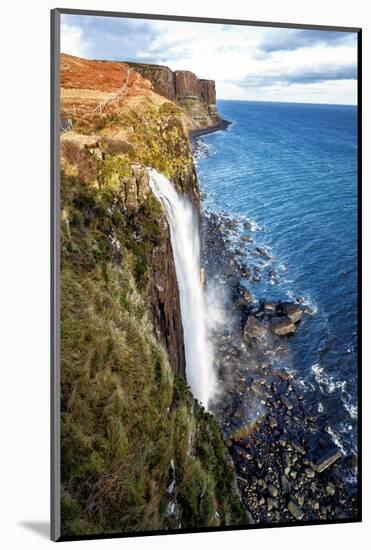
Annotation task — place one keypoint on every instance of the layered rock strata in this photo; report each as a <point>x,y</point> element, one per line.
<point>197,97</point>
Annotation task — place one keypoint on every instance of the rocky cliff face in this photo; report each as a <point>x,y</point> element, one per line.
<point>164,304</point>
<point>197,97</point>
<point>162,78</point>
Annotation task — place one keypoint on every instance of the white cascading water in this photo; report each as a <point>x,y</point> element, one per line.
<point>185,241</point>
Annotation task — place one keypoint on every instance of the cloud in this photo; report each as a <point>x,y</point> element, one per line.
<point>246,62</point>
<point>292,39</point>
<point>303,75</point>
<point>72,40</point>
<point>112,38</point>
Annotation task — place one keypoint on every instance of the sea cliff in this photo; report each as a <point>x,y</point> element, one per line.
<point>138,452</point>
<point>195,96</point>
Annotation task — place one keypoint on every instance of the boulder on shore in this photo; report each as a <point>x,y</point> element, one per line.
<point>282,326</point>
<point>246,238</point>
<point>254,329</point>
<point>294,312</point>
<point>232,224</point>
<point>326,459</point>
<point>295,510</point>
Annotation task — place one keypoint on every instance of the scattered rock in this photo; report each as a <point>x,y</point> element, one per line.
<point>295,510</point>
<point>330,489</point>
<point>246,239</point>
<point>270,307</point>
<point>262,252</point>
<point>273,422</point>
<point>254,329</point>
<point>282,326</point>
<point>246,295</point>
<point>286,402</point>
<point>261,483</point>
<point>285,485</point>
<point>232,224</point>
<point>299,448</point>
<point>272,490</point>
<point>309,473</point>
<point>300,498</point>
<point>271,503</point>
<point>294,312</point>
<point>326,459</point>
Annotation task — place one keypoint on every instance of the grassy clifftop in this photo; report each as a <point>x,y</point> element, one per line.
<point>138,453</point>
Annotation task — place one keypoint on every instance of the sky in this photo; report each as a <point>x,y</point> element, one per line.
<point>247,62</point>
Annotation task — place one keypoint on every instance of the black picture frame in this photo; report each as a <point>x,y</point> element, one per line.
<point>55,265</point>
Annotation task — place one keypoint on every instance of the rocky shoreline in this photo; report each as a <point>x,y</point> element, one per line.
<point>197,133</point>
<point>287,465</point>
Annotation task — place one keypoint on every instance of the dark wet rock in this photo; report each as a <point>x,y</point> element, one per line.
<point>241,303</point>
<point>286,402</point>
<point>313,504</point>
<point>299,448</point>
<point>294,312</point>
<point>282,326</point>
<point>325,459</point>
<point>270,307</point>
<point>286,462</point>
<point>285,485</point>
<point>352,461</point>
<point>330,489</point>
<point>273,422</point>
<point>246,239</point>
<point>300,498</point>
<point>247,225</point>
<point>245,272</point>
<point>261,483</point>
<point>246,295</point>
<point>262,252</point>
<point>295,510</point>
<point>272,490</point>
<point>254,329</point>
<point>232,224</point>
<point>271,503</point>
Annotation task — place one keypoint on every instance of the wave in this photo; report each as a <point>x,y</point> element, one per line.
<point>326,381</point>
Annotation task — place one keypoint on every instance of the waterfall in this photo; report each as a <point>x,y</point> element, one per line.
<point>185,241</point>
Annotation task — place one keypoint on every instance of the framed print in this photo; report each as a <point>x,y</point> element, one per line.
<point>206,192</point>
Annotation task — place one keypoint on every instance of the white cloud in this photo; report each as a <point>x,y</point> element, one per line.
<point>73,41</point>
<point>311,67</point>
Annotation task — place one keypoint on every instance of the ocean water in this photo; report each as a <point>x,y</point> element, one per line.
<point>291,170</point>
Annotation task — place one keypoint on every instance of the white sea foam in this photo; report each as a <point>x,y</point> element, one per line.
<point>335,436</point>
<point>352,410</point>
<point>325,381</point>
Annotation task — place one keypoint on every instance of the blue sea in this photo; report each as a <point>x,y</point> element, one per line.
<point>291,171</point>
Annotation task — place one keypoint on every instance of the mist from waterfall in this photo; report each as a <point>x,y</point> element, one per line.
<point>185,241</point>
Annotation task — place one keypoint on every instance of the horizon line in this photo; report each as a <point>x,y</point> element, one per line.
<point>283,101</point>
